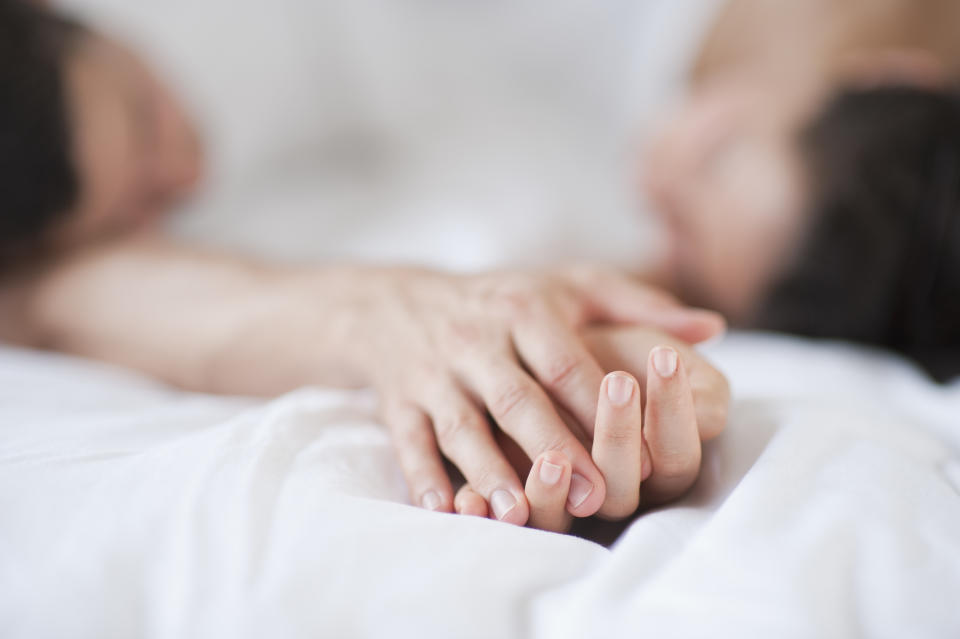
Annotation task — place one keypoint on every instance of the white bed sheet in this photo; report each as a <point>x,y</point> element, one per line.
<point>830,508</point>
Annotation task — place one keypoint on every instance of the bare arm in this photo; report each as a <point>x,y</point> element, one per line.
<point>445,351</point>
<point>196,319</point>
<point>809,41</point>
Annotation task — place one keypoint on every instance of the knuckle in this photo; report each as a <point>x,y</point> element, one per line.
<point>562,371</point>
<point>617,437</point>
<point>482,477</point>
<point>516,304</point>
<point>555,445</point>
<point>465,333</point>
<point>508,398</point>
<point>451,430</point>
<point>621,508</point>
<point>673,465</point>
<point>408,439</point>
<point>555,455</point>
<point>427,380</point>
<point>520,296</point>
<point>404,423</point>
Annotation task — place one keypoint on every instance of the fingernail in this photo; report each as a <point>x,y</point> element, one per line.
<point>502,503</point>
<point>431,501</point>
<point>665,361</point>
<point>550,473</point>
<point>619,389</point>
<point>580,489</point>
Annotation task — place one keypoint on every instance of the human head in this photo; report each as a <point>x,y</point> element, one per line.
<point>90,142</point>
<point>37,181</point>
<point>854,236</point>
<point>727,183</point>
<point>879,261</point>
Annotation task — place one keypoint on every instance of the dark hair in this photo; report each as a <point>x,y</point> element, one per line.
<point>38,183</point>
<point>881,261</point>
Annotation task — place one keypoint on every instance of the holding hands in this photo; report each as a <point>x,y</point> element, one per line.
<point>494,371</point>
<point>555,394</point>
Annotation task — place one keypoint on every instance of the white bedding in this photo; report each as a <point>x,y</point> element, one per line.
<point>830,508</point>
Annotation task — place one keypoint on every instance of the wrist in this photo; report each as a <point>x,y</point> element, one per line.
<point>334,322</point>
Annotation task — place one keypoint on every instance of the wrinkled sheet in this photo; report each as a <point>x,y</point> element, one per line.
<point>829,508</point>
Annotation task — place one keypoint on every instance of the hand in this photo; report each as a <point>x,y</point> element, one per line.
<point>648,429</point>
<point>447,351</point>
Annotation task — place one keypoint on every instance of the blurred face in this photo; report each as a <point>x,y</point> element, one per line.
<point>724,177</point>
<point>135,153</point>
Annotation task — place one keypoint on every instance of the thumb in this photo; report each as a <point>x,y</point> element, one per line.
<point>624,300</point>
<point>692,325</point>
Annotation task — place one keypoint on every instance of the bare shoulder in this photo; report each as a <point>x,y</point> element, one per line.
<point>785,33</point>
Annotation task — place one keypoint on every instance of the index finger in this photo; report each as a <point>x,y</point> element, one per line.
<point>560,361</point>
<point>671,428</point>
<point>522,409</point>
<point>628,348</point>
<point>618,442</point>
<point>618,297</point>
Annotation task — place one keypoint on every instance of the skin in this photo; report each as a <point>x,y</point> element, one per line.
<point>462,363</point>
<point>427,341</point>
<point>724,174</point>
<point>135,150</point>
<point>528,407</point>
<point>648,451</point>
<point>532,350</point>
<point>726,181</point>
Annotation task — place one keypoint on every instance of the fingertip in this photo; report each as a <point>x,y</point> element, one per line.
<point>619,388</point>
<point>586,494</point>
<point>436,501</point>
<point>671,455</point>
<point>617,447</point>
<point>665,361</point>
<point>549,468</point>
<point>714,323</point>
<point>547,487</point>
<point>521,514</point>
<point>697,325</point>
<point>468,502</point>
<point>509,507</point>
<point>413,440</point>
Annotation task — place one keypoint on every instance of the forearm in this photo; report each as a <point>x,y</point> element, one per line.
<point>199,320</point>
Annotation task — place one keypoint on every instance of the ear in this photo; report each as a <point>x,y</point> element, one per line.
<point>900,66</point>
